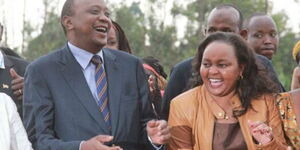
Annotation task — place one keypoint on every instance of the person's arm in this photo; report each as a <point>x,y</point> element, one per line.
<point>17,131</point>
<point>276,135</point>
<point>174,87</point>
<point>181,131</point>
<point>146,111</point>
<point>296,79</point>
<point>39,113</point>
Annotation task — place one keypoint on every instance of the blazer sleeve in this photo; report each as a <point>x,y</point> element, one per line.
<point>39,113</point>
<point>278,142</point>
<point>146,111</point>
<point>181,130</point>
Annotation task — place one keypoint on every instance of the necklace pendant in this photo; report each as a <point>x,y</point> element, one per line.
<point>226,117</point>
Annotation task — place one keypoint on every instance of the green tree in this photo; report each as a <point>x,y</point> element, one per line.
<point>283,62</point>
<point>51,37</point>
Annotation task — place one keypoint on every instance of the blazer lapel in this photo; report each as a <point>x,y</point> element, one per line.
<point>113,76</point>
<point>73,74</point>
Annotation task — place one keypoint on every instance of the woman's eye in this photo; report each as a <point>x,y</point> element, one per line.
<point>222,65</point>
<point>206,65</point>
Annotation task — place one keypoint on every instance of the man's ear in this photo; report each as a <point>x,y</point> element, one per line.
<point>244,33</point>
<point>67,22</point>
<point>205,32</point>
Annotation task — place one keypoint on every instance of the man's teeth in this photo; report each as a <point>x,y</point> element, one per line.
<point>214,80</point>
<point>101,29</point>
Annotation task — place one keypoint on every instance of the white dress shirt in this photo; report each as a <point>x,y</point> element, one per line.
<point>12,133</point>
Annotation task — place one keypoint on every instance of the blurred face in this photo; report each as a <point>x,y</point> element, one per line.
<point>88,27</point>
<point>220,70</point>
<point>223,20</point>
<point>262,36</point>
<point>112,41</point>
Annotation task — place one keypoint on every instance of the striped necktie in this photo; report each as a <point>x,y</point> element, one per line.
<point>101,85</point>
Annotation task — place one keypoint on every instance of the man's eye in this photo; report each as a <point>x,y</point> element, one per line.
<point>258,35</point>
<point>273,34</point>
<point>211,30</point>
<point>95,11</point>
<point>227,30</point>
<point>107,14</point>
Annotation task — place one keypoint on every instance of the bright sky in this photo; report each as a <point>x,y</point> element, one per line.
<point>11,15</point>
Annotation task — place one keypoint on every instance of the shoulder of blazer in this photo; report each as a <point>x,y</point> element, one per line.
<point>60,55</point>
<point>118,55</point>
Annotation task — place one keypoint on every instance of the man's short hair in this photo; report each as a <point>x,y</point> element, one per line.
<point>257,14</point>
<point>226,5</point>
<point>67,10</point>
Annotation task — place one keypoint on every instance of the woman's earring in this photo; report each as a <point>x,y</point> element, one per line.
<point>241,77</point>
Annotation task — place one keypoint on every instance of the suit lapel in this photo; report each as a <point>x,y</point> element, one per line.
<point>73,74</point>
<point>113,76</point>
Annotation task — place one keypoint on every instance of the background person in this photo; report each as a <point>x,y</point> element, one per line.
<point>296,73</point>
<point>12,70</point>
<point>117,38</point>
<point>12,133</point>
<point>262,34</point>
<point>156,80</point>
<point>289,107</point>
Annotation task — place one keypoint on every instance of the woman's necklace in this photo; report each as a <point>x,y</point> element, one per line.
<point>224,115</point>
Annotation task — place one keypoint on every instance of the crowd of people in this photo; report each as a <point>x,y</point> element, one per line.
<point>94,94</point>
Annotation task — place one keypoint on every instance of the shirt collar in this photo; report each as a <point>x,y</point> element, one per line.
<point>2,65</point>
<point>82,56</point>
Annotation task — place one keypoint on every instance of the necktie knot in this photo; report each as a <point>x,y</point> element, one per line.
<point>96,60</point>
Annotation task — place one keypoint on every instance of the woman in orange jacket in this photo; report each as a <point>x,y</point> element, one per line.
<point>232,105</point>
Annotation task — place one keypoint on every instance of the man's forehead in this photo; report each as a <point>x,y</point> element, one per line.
<point>90,2</point>
<point>262,21</point>
<point>228,13</point>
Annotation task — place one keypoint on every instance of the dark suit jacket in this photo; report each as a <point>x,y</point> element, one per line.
<point>60,110</point>
<point>5,79</point>
<point>182,72</point>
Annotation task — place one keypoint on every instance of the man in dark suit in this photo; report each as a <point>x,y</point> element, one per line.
<point>12,70</point>
<point>223,18</point>
<point>64,109</point>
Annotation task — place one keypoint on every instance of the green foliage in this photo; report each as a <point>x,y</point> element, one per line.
<point>283,61</point>
<point>51,37</point>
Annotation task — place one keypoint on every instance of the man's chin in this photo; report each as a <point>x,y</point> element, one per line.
<point>268,53</point>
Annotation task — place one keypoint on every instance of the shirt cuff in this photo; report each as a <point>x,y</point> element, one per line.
<point>155,146</point>
<point>80,145</point>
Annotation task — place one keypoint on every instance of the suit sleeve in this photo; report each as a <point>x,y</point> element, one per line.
<point>39,113</point>
<point>146,111</point>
